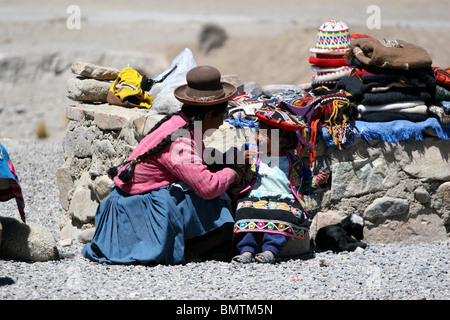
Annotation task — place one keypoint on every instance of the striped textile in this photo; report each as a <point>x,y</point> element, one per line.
<point>8,172</point>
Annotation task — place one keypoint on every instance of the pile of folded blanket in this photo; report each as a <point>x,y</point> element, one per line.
<point>373,89</point>
<point>391,80</point>
<point>329,59</point>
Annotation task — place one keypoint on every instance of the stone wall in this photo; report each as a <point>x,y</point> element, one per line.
<point>401,190</point>
<point>100,136</point>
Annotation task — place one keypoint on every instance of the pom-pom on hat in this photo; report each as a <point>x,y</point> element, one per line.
<point>354,36</point>
<point>204,87</point>
<point>280,118</point>
<point>333,37</point>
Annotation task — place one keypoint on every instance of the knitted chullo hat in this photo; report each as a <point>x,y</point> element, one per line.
<point>333,37</point>
<point>273,113</point>
<point>354,36</point>
<point>276,113</point>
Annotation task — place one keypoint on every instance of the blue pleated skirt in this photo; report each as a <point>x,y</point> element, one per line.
<point>151,228</point>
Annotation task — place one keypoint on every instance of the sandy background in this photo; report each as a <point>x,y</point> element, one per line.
<point>268,42</point>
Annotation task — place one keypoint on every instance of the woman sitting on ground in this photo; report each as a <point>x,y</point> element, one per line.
<point>164,194</point>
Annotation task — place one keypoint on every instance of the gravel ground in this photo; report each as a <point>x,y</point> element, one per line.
<point>382,271</point>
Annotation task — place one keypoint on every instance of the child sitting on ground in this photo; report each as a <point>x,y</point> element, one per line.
<point>270,206</point>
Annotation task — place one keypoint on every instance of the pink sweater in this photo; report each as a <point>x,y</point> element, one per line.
<point>179,161</point>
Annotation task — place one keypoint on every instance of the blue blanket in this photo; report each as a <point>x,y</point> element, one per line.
<point>395,131</point>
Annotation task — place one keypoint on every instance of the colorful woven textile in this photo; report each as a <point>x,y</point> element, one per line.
<point>246,99</point>
<point>242,113</point>
<point>333,109</point>
<point>328,62</point>
<point>271,216</point>
<point>395,131</point>
<point>302,182</point>
<point>343,72</point>
<point>309,108</point>
<point>14,190</point>
<point>332,37</point>
<point>280,118</point>
<point>442,77</point>
<point>354,36</point>
<point>331,49</point>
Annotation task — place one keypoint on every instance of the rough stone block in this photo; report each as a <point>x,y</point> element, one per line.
<point>234,80</point>
<point>107,121</point>
<point>252,87</point>
<point>101,187</point>
<point>82,206</point>
<point>441,201</point>
<point>386,207</point>
<point>361,177</point>
<point>87,90</point>
<point>273,89</point>
<point>429,162</point>
<point>421,195</point>
<point>65,184</point>
<point>399,189</point>
<point>323,219</point>
<point>86,235</point>
<point>78,143</point>
<point>90,70</point>
<point>75,113</point>
<point>423,228</point>
<point>104,147</point>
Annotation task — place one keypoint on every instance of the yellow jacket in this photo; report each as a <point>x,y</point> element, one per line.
<point>127,87</point>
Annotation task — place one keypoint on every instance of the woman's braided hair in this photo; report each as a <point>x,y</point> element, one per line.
<point>194,113</point>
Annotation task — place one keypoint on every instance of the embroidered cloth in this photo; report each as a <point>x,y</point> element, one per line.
<point>272,216</point>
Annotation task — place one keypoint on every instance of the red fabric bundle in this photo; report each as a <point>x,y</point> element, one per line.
<point>328,62</point>
<point>442,77</point>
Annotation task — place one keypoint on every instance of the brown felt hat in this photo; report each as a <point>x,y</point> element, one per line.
<point>204,87</point>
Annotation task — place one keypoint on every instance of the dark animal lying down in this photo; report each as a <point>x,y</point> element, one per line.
<point>338,237</point>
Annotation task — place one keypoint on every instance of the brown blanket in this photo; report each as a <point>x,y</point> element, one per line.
<point>396,54</point>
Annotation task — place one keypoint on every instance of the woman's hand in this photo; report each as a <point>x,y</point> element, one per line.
<point>322,177</point>
<point>237,175</point>
<point>249,155</point>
